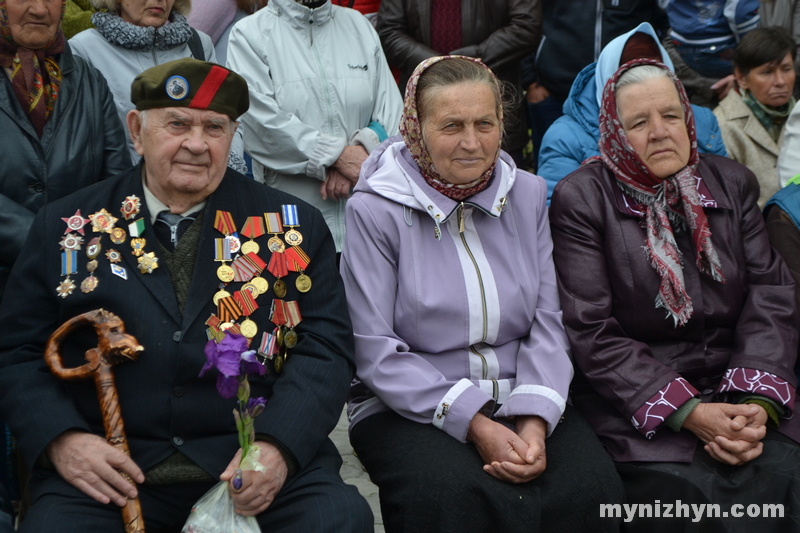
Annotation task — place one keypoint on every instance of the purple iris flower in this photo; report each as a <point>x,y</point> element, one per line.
<point>255,406</point>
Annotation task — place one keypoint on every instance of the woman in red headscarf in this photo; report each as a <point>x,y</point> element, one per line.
<point>680,315</point>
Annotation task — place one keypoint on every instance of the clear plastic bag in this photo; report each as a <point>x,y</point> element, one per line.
<point>213,512</point>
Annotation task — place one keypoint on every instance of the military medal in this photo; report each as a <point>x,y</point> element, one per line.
<point>130,207</point>
<point>290,218</point>
<point>275,227</point>
<point>69,262</point>
<point>71,242</point>
<point>219,295</point>
<point>278,363</point>
<point>247,304</point>
<point>261,284</point>
<point>253,229</point>
<point>138,246</point>
<point>113,256</point>
<point>135,229</point>
<point>228,310</point>
<point>279,287</point>
<point>234,243</point>
<point>303,283</point>
<point>252,289</point>
<point>92,251</point>
<point>267,347</point>
<point>119,271</point>
<point>246,267</point>
<point>297,261</point>
<point>76,222</point>
<point>249,328</point>
<point>293,318</point>
<point>222,252</point>
<point>102,221</point>
<point>118,235</point>
<point>147,263</point>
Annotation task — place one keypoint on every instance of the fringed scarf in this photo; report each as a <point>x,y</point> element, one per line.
<point>411,130</point>
<point>664,202</point>
<point>35,74</point>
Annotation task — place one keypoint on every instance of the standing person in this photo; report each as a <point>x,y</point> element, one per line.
<point>322,98</point>
<point>752,118</point>
<point>463,362</point>
<point>499,33</point>
<point>182,436</point>
<point>680,314</point>
<point>132,36</point>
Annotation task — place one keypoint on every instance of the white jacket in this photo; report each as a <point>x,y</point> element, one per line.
<point>317,79</point>
<point>789,158</point>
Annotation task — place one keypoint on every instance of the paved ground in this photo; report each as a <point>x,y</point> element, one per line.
<point>353,473</point>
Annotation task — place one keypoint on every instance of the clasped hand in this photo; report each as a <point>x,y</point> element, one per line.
<point>343,174</point>
<point>258,489</point>
<point>732,432</point>
<point>516,457</point>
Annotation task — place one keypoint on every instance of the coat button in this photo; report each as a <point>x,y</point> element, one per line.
<point>39,187</point>
<point>178,391</point>
<point>177,441</point>
<point>176,336</point>
<point>707,391</point>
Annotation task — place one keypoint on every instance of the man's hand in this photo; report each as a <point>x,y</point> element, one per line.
<point>506,453</point>
<point>536,93</point>
<point>722,87</point>
<point>336,186</point>
<point>350,161</point>
<point>732,432</point>
<point>258,489</point>
<point>92,465</point>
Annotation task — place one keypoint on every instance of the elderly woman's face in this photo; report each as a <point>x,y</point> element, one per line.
<point>770,83</point>
<point>653,120</point>
<point>461,131</point>
<point>33,23</point>
<point>146,12</point>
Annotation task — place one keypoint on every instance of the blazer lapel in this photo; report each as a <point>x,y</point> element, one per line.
<point>760,136</point>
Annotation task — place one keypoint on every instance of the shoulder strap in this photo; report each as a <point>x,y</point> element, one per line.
<point>196,46</point>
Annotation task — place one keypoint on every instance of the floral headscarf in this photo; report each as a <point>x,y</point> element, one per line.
<point>665,202</point>
<point>411,130</point>
<point>35,74</point>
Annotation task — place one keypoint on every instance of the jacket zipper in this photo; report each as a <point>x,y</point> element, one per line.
<point>325,91</point>
<point>485,373</point>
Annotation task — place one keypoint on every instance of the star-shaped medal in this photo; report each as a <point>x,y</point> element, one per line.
<point>102,221</point>
<point>71,242</point>
<point>65,288</point>
<point>76,222</point>
<point>148,262</point>
<point>130,207</point>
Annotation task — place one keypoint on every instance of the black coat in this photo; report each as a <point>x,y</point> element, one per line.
<point>83,142</point>
<point>165,406</point>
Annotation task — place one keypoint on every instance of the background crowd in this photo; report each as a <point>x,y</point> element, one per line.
<point>327,123</point>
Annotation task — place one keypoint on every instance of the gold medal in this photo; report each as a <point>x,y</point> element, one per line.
<point>225,273</point>
<point>303,283</point>
<point>65,288</point>
<point>250,246</point>
<point>147,263</point>
<point>290,338</point>
<point>275,244</point>
<point>293,237</point>
<point>278,363</point>
<point>279,336</point>
<point>249,328</point>
<point>138,245</point>
<point>118,235</point>
<point>91,266</point>
<point>261,283</point>
<point>252,289</point>
<point>220,295</point>
<point>89,284</point>
<point>280,288</point>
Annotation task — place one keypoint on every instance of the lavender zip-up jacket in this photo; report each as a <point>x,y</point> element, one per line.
<point>454,305</point>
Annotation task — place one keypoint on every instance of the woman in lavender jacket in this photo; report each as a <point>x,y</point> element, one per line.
<point>462,359</point>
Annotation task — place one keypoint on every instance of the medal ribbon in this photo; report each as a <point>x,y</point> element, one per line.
<point>278,313</point>
<point>296,259</point>
<point>267,346</point>
<point>213,322</point>
<point>242,270</point>
<point>223,222</point>
<point>293,317</point>
<point>246,302</point>
<point>253,227</point>
<point>69,262</point>
<point>228,310</point>
<point>277,265</point>
<point>256,262</point>
<point>274,224</point>
<point>136,228</point>
<point>290,215</point>
<point>222,249</point>
<point>236,328</point>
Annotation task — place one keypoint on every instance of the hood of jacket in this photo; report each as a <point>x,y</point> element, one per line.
<point>390,172</point>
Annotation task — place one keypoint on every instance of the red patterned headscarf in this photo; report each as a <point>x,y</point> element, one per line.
<point>664,202</point>
<point>411,130</point>
<point>35,74</point>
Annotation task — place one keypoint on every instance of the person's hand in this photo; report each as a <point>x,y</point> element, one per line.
<point>732,433</point>
<point>533,431</point>
<point>502,450</point>
<point>350,161</point>
<point>93,466</point>
<point>336,186</point>
<point>722,87</point>
<point>258,489</point>
<point>536,93</point>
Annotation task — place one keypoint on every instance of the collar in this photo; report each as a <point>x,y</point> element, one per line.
<point>300,16</point>
<point>155,206</point>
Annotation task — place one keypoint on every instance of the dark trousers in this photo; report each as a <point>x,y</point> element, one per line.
<point>313,500</point>
<point>430,482</point>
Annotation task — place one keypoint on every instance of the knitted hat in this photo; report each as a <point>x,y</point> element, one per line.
<point>191,83</point>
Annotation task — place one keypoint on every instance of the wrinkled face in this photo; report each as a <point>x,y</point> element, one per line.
<point>770,83</point>
<point>146,12</point>
<point>33,23</point>
<point>185,151</point>
<point>462,131</point>
<point>652,117</point>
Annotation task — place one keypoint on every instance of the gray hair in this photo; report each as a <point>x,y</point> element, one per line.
<point>640,74</point>
<point>113,6</point>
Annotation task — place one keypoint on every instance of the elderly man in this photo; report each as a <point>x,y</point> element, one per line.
<point>147,246</point>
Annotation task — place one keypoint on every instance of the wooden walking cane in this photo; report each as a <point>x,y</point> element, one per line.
<point>114,346</point>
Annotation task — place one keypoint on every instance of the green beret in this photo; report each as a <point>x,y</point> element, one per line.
<point>191,83</point>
